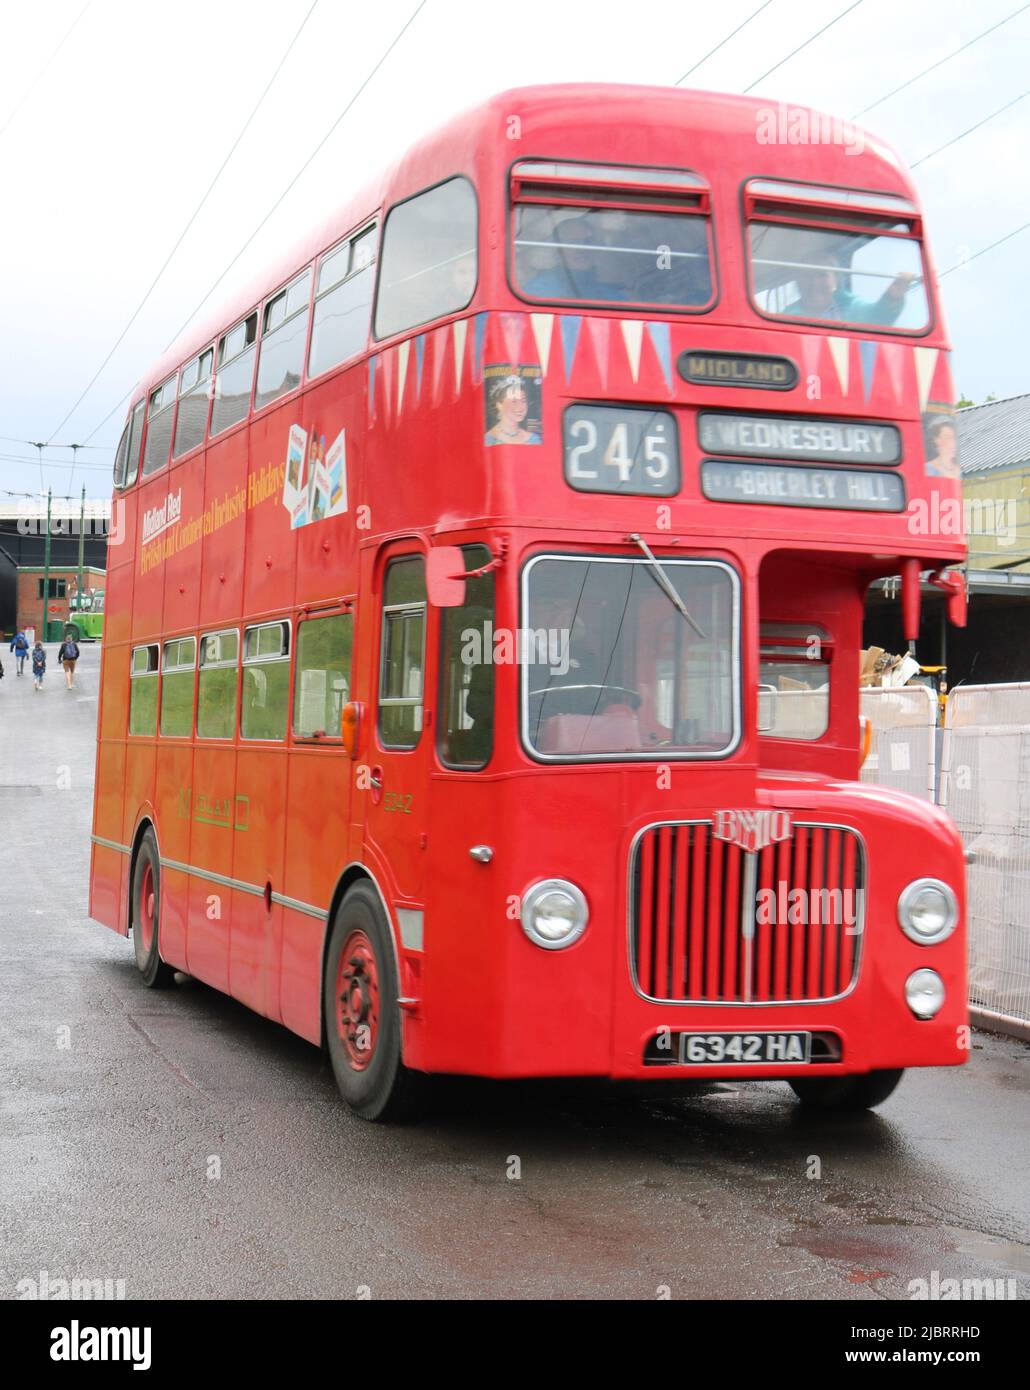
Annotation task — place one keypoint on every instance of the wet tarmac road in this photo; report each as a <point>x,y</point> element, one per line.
<point>180,1143</point>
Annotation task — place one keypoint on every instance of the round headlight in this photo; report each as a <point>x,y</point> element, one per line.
<point>554,913</point>
<point>924,993</point>
<point>928,911</point>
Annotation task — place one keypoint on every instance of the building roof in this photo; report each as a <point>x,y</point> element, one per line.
<point>30,509</point>
<point>994,435</point>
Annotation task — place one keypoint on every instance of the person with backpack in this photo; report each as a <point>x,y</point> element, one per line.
<point>38,664</point>
<point>20,647</point>
<point>68,656</point>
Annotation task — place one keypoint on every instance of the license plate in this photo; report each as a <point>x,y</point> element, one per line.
<point>743,1049</point>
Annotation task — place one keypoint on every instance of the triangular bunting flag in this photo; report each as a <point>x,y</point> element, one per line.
<point>513,327</point>
<point>460,329</point>
<point>482,320</point>
<point>570,326</point>
<point>840,351</point>
<point>600,330</point>
<point>420,353</point>
<point>811,352</point>
<point>659,335</point>
<point>867,356</point>
<point>439,357</point>
<point>633,337</point>
<point>542,324</point>
<point>926,360</point>
<point>894,359</point>
<point>403,352</point>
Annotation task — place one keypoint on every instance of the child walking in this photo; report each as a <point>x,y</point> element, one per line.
<point>38,665</point>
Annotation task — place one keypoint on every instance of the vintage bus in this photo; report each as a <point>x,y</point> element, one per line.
<point>480,673</point>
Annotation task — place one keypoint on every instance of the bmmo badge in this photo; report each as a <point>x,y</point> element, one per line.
<point>752,830</point>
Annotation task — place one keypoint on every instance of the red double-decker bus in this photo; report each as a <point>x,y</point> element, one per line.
<point>481,665</point>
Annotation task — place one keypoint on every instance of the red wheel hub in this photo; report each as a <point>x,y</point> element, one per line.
<point>146,905</point>
<point>357,1000</point>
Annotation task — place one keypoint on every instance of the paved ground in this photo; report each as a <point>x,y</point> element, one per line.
<point>118,1106</point>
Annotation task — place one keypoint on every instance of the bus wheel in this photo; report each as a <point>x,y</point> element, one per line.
<point>360,1012</point>
<point>847,1092</point>
<point>145,905</point>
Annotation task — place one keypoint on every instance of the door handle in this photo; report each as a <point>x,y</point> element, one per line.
<point>375,778</point>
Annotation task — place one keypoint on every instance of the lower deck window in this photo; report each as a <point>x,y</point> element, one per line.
<point>266,681</point>
<point>143,687</point>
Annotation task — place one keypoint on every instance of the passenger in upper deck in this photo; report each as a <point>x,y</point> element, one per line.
<point>823,297</point>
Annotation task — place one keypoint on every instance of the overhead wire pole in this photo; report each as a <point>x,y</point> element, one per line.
<point>182,235</point>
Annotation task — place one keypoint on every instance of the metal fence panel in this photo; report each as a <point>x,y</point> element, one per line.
<point>985,786</point>
<point>903,750</point>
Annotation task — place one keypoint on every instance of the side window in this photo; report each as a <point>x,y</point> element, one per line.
<point>132,453</point>
<point>120,457</point>
<point>266,681</point>
<point>428,260</point>
<point>180,661</point>
<point>793,680</point>
<point>321,685</point>
<point>159,426</point>
<point>194,395</point>
<point>217,684</point>
<point>343,300</point>
<point>143,678</point>
<point>284,336</point>
<point>235,375</point>
<point>402,658</point>
<point>465,732</point>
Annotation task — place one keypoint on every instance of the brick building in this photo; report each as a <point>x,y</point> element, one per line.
<point>63,585</point>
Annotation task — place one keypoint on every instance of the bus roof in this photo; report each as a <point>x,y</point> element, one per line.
<point>682,128</point>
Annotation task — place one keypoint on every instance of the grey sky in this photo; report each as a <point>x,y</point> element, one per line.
<point>109,152</point>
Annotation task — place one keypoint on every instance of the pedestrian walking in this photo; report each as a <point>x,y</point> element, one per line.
<point>68,656</point>
<point>38,665</point>
<point>20,647</point>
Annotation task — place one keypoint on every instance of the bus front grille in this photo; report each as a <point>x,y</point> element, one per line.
<point>712,922</point>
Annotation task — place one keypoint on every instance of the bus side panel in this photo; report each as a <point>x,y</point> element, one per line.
<point>225,482</point>
<point>259,834</point>
<point>182,566</point>
<point>335,417</point>
<point>317,814</point>
<point>172,803</point>
<point>271,543</point>
<point>118,600</point>
<point>140,769</point>
<point>210,903</point>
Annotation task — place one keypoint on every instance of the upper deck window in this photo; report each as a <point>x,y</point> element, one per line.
<point>428,260</point>
<point>159,426</point>
<point>235,375</point>
<point>608,235</point>
<point>343,302</point>
<point>829,255</point>
<point>283,340</point>
<point>194,395</point>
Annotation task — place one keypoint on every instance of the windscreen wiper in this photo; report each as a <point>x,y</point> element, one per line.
<point>664,580</point>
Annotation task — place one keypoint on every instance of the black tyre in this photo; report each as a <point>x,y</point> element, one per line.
<point>145,907</point>
<point>361,1014</point>
<point>844,1093</point>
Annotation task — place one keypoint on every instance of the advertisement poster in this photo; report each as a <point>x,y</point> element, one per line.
<point>294,482</point>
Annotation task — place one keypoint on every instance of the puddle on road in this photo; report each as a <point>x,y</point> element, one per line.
<point>1009,1254</point>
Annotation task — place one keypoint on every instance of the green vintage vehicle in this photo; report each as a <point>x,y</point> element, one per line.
<point>86,617</point>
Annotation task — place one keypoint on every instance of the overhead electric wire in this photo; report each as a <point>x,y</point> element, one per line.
<point>400,34</point>
<point>940,62</point>
<point>722,42</point>
<point>983,251</point>
<point>45,68</point>
<point>948,144</point>
<point>303,168</point>
<point>193,217</point>
<point>793,53</point>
